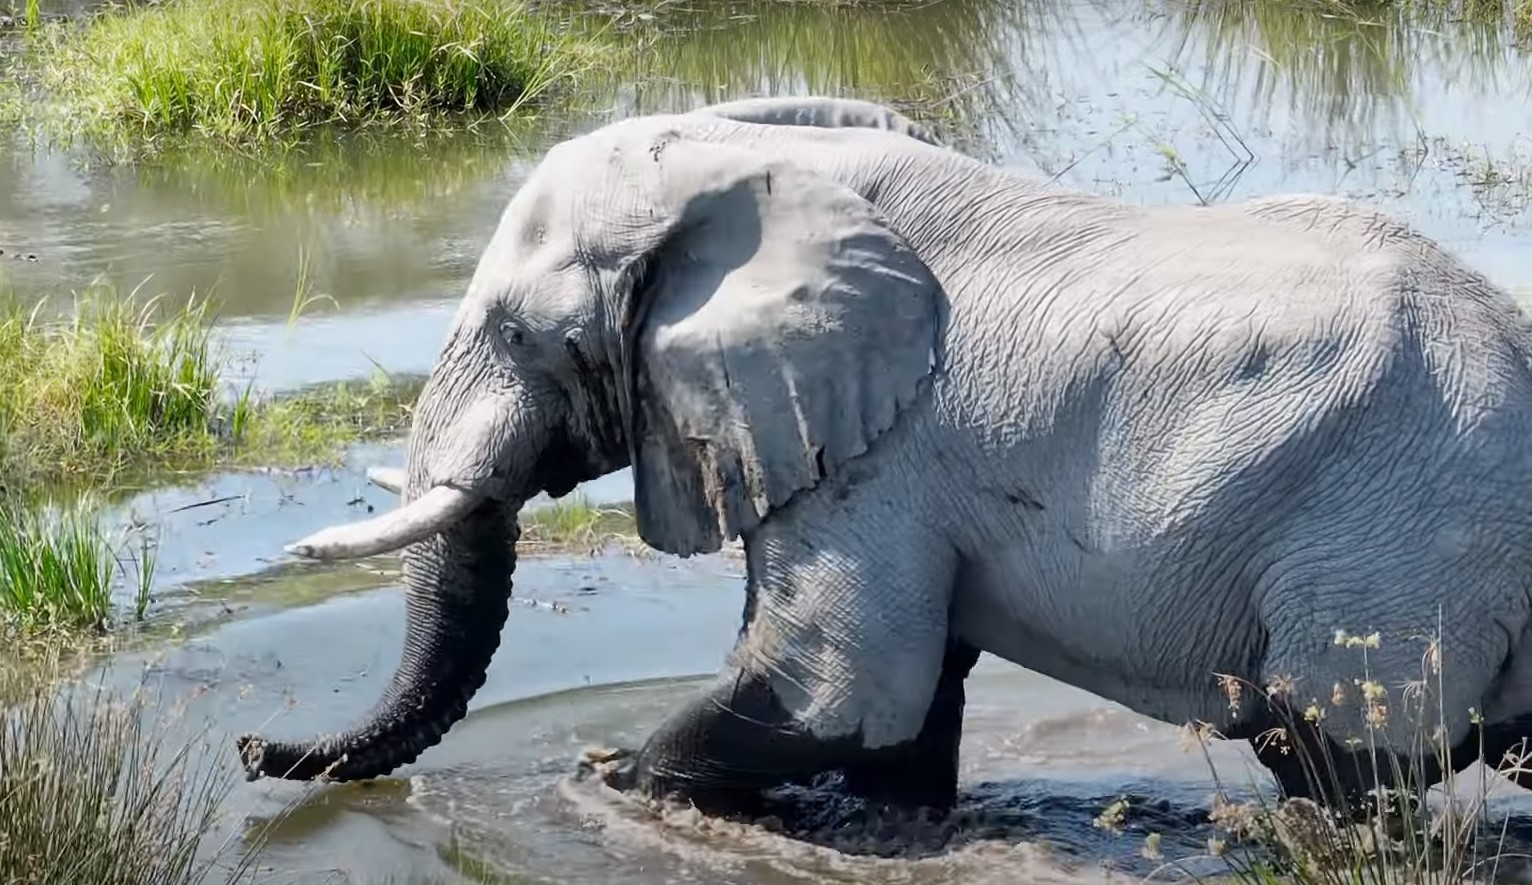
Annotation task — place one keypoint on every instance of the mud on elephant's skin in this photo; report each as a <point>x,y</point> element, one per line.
<point>951,407</point>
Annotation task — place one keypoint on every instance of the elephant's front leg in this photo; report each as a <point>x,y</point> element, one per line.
<point>844,664</point>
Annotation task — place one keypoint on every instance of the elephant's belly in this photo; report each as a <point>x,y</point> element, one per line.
<point>1090,638</point>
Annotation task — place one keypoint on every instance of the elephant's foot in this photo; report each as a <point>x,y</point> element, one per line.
<point>723,751</point>
<point>922,773</point>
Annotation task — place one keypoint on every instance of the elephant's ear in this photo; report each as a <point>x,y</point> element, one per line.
<point>779,327</point>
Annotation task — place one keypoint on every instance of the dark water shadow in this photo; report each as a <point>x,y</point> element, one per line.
<point>1082,824</point>
<point>1065,815</point>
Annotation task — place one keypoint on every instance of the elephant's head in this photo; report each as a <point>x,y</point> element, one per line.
<point>670,293</point>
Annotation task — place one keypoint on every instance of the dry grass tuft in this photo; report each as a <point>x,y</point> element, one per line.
<point>1398,831</point>
<point>90,790</point>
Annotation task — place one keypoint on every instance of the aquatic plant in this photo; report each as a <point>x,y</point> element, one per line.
<point>575,524</point>
<point>245,71</point>
<point>316,422</point>
<point>58,568</point>
<point>122,384</point>
<point>1392,833</point>
<point>1349,66</point>
<point>92,789</point>
<point>962,67</point>
<point>111,383</point>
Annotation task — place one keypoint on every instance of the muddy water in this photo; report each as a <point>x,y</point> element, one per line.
<point>1142,100</point>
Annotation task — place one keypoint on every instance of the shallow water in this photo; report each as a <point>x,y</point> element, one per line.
<point>595,654</point>
<point>1137,99</point>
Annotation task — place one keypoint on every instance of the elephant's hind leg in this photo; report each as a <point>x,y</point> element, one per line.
<point>1308,764</point>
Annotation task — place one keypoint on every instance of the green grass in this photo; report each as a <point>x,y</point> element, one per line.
<point>316,423</point>
<point>120,385</point>
<point>102,387</point>
<point>573,524</point>
<point>115,392</point>
<point>58,569</point>
<point>93,790</point>
<point>246,71</point>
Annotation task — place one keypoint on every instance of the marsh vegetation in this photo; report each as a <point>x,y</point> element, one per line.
<point>117,384</point>
<point>240,72</point>
<point>59,570</point>
<point>576,526</point>
<point>91,789</point>
<point>1398,832</point>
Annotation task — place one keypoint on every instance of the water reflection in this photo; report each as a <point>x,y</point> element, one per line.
<point>364,218</point>
<point>1347,79</point>
<point>971,68</point>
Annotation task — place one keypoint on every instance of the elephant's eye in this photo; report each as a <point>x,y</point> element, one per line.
<point>513,333</point>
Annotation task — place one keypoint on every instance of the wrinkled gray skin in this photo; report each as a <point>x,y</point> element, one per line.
<point>951,407</point>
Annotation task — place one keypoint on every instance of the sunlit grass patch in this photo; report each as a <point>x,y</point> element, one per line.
<point>92,791</point>
<point>574,524</point>
<point>116,381</point>
<point>314,424</point>
<point>243,71</point>
<point>120,384</point>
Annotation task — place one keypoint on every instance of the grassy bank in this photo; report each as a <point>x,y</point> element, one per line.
<point>574,525</point>
<point>245,71</point>
<point>115,382</point>
<point>120,389</point>
<point>121,384</point>
<point>92,791</point>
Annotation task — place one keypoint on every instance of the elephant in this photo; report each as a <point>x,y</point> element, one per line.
<point>948,407</point>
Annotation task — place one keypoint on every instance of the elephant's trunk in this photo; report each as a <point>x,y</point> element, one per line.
<point>459,587</point>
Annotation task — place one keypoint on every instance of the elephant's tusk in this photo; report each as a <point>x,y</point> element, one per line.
<point>389,479</point>
<point>428,515</point>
